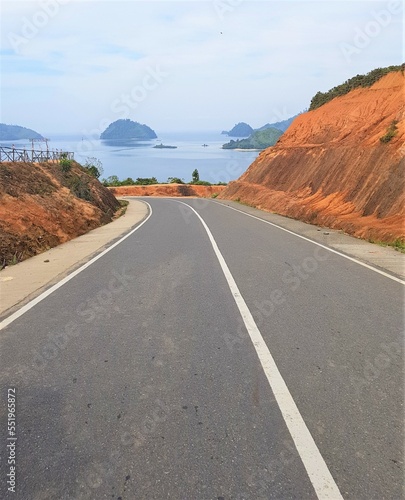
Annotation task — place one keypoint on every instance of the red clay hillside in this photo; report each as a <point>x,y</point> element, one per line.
<point>340,165</point>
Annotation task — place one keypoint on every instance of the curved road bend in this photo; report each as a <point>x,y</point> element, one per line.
<point>219,358</point>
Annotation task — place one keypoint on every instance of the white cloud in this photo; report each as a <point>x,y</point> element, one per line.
<point>260,59</point>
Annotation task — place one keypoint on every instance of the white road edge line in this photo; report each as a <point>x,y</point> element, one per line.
<point>17,314</point>
<point>318,472</point>
<point>390,276</point>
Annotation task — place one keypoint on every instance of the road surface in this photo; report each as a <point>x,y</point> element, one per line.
<point>208,355</point>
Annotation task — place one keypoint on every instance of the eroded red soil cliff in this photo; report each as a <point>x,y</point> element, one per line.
<point>41,206</point>
<point>330,167</point>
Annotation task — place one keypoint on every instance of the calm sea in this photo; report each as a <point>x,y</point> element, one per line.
<point>140,159</point>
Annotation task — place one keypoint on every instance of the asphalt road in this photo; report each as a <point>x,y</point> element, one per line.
<point>157,372</point>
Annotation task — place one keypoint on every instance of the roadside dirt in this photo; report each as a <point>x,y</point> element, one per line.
<point>41,207</point>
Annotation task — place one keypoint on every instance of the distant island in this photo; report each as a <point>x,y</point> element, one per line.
<point>128,129</point>
<point>260,139</point>
<point>282,125</point>
<point>15,132</point>
<point>241,129</point>
<point>163,146</point>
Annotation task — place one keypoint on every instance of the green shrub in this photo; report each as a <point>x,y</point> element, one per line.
<point>65,164</point>
<point>321,98</point>
<point>80,188</point>
<point>201,183</point>
<point>392,131</point>
<point>111,181</point>
<point>175,180</point>
<point>146,181</point>
<point>93,167</point>
<point>129,181</point>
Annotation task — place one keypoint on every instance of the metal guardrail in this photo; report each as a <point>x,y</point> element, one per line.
<point>32,155</point>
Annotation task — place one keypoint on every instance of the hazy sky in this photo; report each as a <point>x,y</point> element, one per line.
<point>76,66</point>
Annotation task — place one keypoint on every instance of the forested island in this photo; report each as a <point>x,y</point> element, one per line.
<point>16,132</point>
<point>128,129</point>
<point>281,125</point>
<point>241,129</point>
<point>261,139</point>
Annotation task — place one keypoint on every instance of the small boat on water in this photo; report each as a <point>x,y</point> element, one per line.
<point>205,145</point>
<point>163,146</point>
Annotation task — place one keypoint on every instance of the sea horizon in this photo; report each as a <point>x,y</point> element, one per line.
<point>201,150</point>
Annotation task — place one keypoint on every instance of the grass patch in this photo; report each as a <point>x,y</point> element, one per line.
<point>245,203</point>
<point>16,258</point>
<point>398,244</point>
<point>122,208</point>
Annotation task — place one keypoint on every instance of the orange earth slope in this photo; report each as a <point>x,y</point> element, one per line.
<point>330,167</point>
<point>40,207</point>
<point>168,190</point>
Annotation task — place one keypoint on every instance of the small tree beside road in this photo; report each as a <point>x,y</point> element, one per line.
<point>195,176</point>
